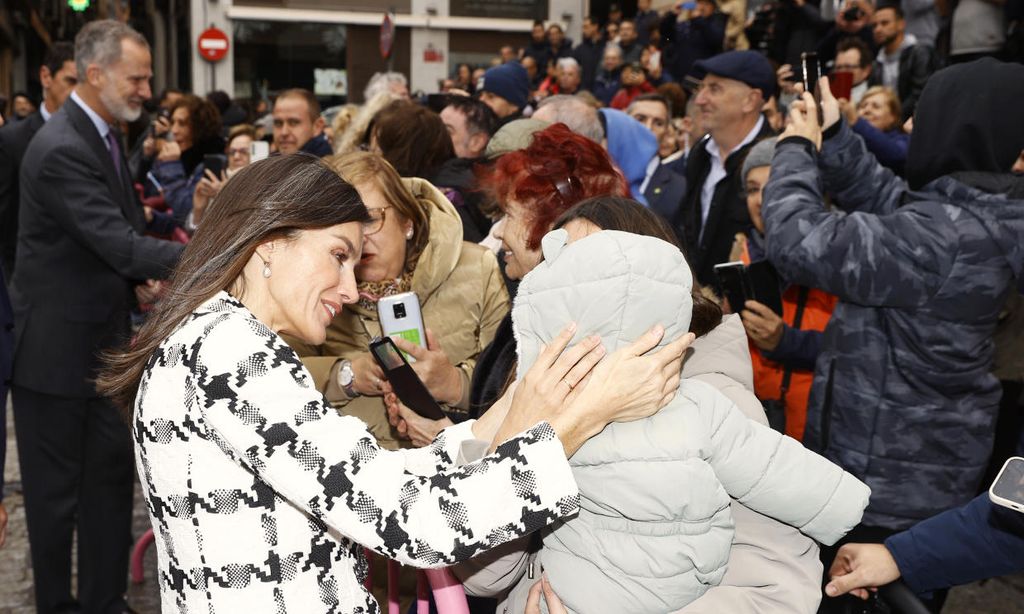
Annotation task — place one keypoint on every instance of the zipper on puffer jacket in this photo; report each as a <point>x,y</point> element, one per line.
<point>826,408</point>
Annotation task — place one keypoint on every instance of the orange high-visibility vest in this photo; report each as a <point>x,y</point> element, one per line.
<point>768,374</point>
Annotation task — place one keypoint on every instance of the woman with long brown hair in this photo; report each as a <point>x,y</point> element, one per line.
<point>262,497</point>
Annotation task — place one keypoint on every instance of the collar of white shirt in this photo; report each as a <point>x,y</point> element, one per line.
<point>101,126</point>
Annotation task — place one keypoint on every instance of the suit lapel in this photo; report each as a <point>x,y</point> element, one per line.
<point>117,183</point>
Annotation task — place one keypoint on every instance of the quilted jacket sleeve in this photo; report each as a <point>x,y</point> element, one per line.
<point>259,404</point>
<point>776,476</point>
<point>854,176</point>
<point>896,259</point>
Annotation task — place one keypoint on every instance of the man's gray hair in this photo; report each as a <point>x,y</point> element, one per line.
<point>99,42</point>
<point>574,112</point>
<point>381,82</point>
<point>565,63</point>
<point>613,48</point>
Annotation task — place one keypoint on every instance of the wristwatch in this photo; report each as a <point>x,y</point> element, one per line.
<point>347,379</point>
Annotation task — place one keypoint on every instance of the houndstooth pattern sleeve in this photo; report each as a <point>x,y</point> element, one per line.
<point>260,405</point>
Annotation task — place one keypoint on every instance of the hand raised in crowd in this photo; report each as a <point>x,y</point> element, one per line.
<point>206,190</point>
<point>855,25</point>
<point>803,119</point>
<point>764,326</point>
<point>369,377</point>
<point>442,379</point>
<point>161,126</point>
<point>149,292</point>
<point>784,77</point>
<point>849,111</point>
<point>421,431</point>
<point>169,152</point>
<point>554,604</point>
<point>859,568</point>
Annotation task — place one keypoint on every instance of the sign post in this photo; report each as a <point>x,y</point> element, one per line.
<point>213,45</point>
<point>387,38</point>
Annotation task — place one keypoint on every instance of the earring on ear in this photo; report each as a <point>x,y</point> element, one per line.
<point>266,269</point>
<point>408,234</point>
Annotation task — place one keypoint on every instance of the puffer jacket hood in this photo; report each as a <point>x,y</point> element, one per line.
<point>968,119</point>
<point>655,527</point>
<point>625,291</point>
<point>631,146</point>
<point>997,200</point>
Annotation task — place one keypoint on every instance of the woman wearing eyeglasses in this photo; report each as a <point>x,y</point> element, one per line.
<point>239,156</point>
<point>413,243</point>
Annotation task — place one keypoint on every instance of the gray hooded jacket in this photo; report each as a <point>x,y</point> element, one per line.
<point>654,529</point>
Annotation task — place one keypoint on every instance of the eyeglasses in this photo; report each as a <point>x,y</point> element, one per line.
<point>376,222</point>
<point>238,151</point>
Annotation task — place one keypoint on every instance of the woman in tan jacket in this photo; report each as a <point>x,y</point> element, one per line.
<point>413,244</point>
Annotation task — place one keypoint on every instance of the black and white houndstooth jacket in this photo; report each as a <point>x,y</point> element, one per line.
<point>262,496</point>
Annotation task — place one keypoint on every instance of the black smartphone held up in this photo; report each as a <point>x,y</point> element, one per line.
<point>407,385</point>
<point>732,278</point>
<point>758,282</point>
<point>764,281</point>
<point>810,73</point>
<point>215,163</point>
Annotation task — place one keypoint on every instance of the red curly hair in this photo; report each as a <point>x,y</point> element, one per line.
<point>559,169</point>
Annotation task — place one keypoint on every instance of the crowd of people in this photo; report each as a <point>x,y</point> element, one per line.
<point>209,271</point>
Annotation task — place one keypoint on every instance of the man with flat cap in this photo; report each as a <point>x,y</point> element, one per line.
<point>735,87</point>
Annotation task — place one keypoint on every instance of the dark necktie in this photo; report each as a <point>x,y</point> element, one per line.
<point>115,152</point>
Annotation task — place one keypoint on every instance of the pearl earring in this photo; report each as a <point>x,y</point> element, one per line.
<point>266,269</point>
<point>408,234</point>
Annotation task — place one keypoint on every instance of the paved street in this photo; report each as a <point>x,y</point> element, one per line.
<point>999,596</point>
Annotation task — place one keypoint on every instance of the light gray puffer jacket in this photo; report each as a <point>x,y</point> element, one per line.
<point>654,529</point>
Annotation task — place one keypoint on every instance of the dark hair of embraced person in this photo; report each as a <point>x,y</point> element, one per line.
<point>627,215</point>
<point>260,204</point>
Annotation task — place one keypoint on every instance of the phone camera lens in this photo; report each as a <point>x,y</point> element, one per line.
<point>399,309</point>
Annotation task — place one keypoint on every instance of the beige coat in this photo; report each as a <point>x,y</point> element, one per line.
<point>462,296</point>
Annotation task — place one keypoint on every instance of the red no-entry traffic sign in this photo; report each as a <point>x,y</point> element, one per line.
<point>213,45</point>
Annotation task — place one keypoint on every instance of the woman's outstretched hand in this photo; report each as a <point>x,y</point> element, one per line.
<point>631,384</point>
<point>579,397</point>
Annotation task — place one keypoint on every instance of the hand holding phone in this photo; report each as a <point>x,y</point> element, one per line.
<point>810,72</point>
<point>841,84</point>
<point>400,316</point>
<point>404,381</point>
<point>431,364</point>
<point>1008,488</point>
<point>215,163</point>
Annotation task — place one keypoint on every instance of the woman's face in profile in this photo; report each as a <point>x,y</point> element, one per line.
<point>312,276</point>
<point>519,259</point>
<point>385,242</point>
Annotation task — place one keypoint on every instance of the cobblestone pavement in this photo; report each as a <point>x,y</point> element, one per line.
<point>998,596</point>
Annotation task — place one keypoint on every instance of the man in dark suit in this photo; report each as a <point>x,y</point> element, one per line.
<point>80,253</point>
<point>58,77</point>
<point>734,90</point>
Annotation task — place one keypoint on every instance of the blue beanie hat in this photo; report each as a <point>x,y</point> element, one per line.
<point>509,81</point>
